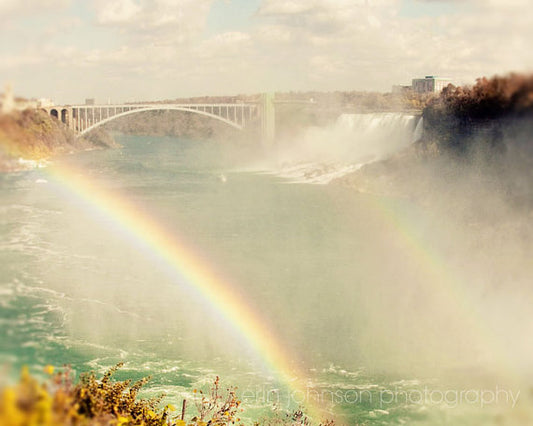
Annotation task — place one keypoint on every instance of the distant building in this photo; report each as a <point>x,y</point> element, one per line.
<point>430,84</point>
<point>401,89</point>
<point>8,100</point>
<point>21,104</point>
<point>44,102</point>
<point>90,101</point>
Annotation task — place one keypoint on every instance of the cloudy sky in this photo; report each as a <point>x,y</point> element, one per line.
<point>125,50</point>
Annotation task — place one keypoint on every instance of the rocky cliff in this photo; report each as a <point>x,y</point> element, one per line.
<point>31,136</point>
<point>478,139</point>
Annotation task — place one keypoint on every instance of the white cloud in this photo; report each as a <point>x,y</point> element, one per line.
<point>296,7</point>
<point>63,26</point>
<point>508,3</point>
<point>184,16</point>
<point>21,8</point>
<point>117,11</point>
<point>41,56</point>
<point>368,44</point>
<point>230,38</point>
<point>288,45</point>
<point>284,7</point>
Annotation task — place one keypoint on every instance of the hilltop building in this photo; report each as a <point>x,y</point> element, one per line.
<point>401,89</point>
<point>8,100</point>
<point>10,103</point>
<point>44,102</point>
<point>429,84</point>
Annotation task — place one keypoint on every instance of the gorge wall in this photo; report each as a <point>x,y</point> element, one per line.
<point>30,136</point>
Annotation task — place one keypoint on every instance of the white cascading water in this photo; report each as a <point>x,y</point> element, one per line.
<point>419,129</point>
<point>323,154</point>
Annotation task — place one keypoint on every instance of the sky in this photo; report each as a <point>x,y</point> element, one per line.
<point>135,50</point>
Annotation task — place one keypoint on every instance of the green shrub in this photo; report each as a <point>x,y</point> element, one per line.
<point>102,401</point>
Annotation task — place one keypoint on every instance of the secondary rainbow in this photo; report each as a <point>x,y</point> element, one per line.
<point>450,286</point>
<point>126,218</point>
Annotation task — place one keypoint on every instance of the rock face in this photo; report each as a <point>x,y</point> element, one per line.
<point>32,135</point>
<point>480,137</point>
<point>464,119</point>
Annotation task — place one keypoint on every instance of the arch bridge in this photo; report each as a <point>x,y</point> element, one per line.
<point>81,119</point>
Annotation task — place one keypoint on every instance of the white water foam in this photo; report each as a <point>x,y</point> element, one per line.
<point>322,154</point>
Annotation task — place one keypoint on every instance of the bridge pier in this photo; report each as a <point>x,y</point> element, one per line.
<point>268,120</point>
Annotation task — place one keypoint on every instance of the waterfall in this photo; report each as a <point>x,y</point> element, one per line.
<point>419,130</point>
<point>322,154</point>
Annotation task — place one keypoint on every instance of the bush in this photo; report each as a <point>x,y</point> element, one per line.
<point>98,402</point>
<point>94,401</point>
<point>460,117</point>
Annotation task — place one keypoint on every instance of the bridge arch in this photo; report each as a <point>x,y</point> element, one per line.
<point>54,113</point>
<point>162,108</point>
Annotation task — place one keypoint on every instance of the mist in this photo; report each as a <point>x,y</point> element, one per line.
<point>454,290</point>
<point>320,154</point>
<point>376,253</point>
<point>432,275</point>
<point>417,264</point>
<point>372,228</point>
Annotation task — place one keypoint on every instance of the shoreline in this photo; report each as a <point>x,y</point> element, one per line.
<point>29,139</point>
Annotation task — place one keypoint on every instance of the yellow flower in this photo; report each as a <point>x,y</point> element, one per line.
<point>49,369</point>
<point>25,374</point>
<point>122,421</point>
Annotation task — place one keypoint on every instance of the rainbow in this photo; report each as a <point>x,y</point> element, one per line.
<point>449,285</point>
<point>219,295</point>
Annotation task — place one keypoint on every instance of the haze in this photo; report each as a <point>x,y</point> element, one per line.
<point>126,50</point>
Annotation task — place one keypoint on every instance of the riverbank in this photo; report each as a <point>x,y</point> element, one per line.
<point>63,399</point>
<point>30,138</point>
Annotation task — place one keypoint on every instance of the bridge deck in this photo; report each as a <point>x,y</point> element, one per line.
<point>83,118</point>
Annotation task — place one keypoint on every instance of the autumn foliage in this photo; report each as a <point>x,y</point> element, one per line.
<point>94,401</point>
<point>34,135</point>
<point>98,402</point>
<point>492,98</point>
<point>465,117</point>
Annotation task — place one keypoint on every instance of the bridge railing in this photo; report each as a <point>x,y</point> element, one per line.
<point>82,118</point>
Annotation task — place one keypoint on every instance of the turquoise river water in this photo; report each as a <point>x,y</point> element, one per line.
<point>334,273</point>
